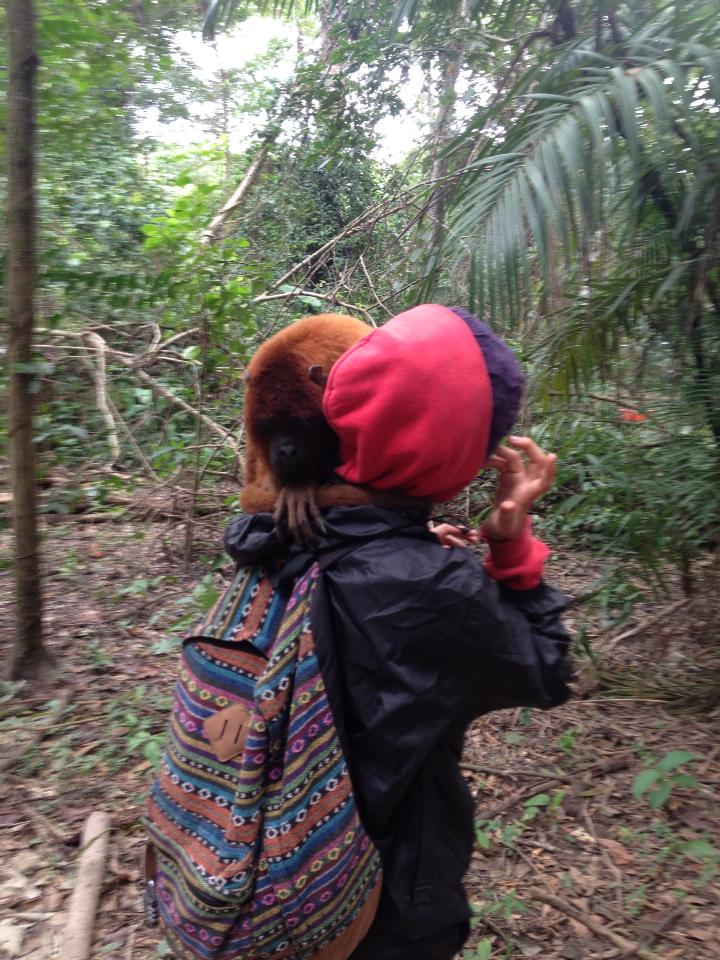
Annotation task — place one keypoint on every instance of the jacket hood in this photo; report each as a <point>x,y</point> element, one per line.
<point>412,402</point>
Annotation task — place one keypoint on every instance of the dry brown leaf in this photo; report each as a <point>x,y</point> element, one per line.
<point>53,899</point>
<point>619,854</point>
<point>26,861</point>
<point>584,883</point>
<point>11,938</point>
<point>693,816</point>
<point>529,949</point>
<point>579,929</point>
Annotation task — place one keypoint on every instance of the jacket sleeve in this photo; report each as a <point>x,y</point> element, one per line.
<point>414,642</point>
<point>426,639</point>
<point>515,647</point>
<point>249,538</point>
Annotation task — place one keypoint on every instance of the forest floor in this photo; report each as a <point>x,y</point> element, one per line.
<point>569,863</point>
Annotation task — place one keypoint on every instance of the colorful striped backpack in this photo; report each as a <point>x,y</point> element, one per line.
<point>256,847</point>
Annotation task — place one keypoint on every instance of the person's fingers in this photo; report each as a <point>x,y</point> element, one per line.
<point>546,473</point>
<point>551,468</point>
<point>443,529</point>
<point>542,465</point>
<point>448,534</point>
<point>505,518</point>
<point>512,458</point>
<point>528,445</point>
<point>450,541</point>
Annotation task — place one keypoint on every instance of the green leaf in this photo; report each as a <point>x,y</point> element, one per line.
<point>152,752</point>
<point>539,800</point>
<point>700,850</point>
<point>685,780</point>
<point>644,781</point>
<point>484,950</point>
<point>675,759</point>
<point>483,839</point>
<point>658,798</point>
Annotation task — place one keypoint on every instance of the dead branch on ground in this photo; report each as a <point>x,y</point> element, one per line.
<point>80,929</point>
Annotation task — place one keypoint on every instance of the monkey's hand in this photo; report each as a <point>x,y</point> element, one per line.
<point>298,514</point>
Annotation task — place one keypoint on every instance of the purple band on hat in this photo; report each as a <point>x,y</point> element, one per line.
<point>506,376</point>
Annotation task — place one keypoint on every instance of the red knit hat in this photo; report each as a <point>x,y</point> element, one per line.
<point>412,405</point>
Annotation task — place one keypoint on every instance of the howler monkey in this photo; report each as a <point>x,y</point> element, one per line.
<point>291,448</point>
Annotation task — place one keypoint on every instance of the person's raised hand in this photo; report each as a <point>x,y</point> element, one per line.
<point>522,481</point>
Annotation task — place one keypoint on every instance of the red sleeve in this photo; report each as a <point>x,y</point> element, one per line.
<point>517,563</point>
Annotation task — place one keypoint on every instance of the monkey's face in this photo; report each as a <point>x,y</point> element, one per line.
<point>300,450</point>
<point>283,413</point>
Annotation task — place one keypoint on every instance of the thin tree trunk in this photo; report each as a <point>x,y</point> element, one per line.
<point>330,15</point>
<point>451,61</point>
<point>28,658</point>
<point>224,90</point>
<point>213,232</point>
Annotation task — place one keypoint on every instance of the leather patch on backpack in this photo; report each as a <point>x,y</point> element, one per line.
<point>227,731</point>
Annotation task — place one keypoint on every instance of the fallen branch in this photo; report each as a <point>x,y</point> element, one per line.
<point>481,768</point>
<point>212,232</point>
<point>638,628</point>
<point>118,821</point>
<point>664,924</point>
<point>524,793</point>
<point>80,928</point>
<point>629,948</point>
<point>98,370</point>
<point>87,517</point>
<point>178,402</point>
<point>372,288</point>
<point>132,363</point>
<point>610,765</point>
<point>156,347</point>
<point>367,219</point>
<point>267,297</point>
<point>133,443</point>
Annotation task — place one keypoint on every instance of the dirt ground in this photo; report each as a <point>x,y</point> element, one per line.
<point>569,863</point>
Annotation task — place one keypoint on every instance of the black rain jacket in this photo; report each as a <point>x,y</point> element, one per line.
<point>415,642</point>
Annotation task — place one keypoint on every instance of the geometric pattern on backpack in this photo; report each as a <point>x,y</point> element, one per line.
<point>261,855</point>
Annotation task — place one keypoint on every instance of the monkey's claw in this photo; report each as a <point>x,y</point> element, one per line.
<point>298,513</point>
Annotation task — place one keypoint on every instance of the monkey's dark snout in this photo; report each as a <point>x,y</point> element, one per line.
<point>289,461</point>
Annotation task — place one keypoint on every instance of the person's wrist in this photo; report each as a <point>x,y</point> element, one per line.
<point>492,534</point>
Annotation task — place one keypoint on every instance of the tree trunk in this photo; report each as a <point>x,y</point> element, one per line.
<point>213,232</point>
<point>450,63</point>
<point>28,658</point>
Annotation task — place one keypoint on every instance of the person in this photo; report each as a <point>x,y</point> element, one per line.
<point>416,638</point>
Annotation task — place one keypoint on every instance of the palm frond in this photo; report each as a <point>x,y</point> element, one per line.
<point>577,136</point>
<point>222,13</point>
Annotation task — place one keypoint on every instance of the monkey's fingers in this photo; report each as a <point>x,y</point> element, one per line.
<point>299,519</point>
<point>305,526</point>
<point>280,515</point>
<point>298,515</point>
<point>315,515</point>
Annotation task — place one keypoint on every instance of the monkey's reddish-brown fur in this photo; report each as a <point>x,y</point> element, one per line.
<point>279,386</point>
